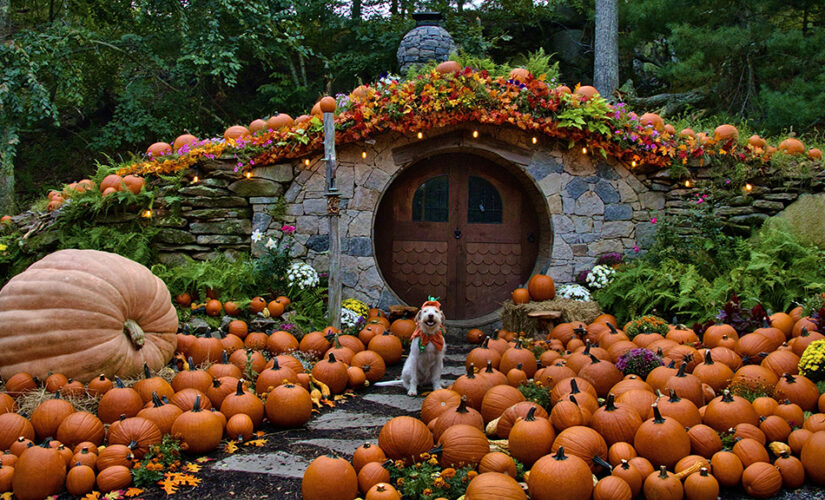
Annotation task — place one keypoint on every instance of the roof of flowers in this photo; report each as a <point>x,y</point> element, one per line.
<point>438,100</point>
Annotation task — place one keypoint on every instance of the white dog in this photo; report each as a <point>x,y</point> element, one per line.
<point>426,359</point>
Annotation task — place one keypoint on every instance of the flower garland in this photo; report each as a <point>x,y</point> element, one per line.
<point>440,100</point>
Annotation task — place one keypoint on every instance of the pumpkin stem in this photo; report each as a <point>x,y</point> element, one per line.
<point>804,332</point>
<point>625,464</point>
<point>518,344</point>
<point>224,358</point>
<point>681,372</point>
<point>703,471</point>
<point>531,414</point>
<point>663,472</point>
<point>275,364</point>
<point>197,406</point>
<point>657,416</point>
<point>672,363</point>
<point>437,450</point>
<point>57,395</point>
<point>789,378</point>
<point>119,383</point>
<point>708,359</point>
<point>331,358</point>
<point>574,386</point>
<point>122,417</point>
<point>191,363</point>
<point>45,443</point>
<point>612,328</point>
<point>673,397</point>
<point>609,405</point>
<point>146,373</point>
<point>132,444</point>
<point>216,383</point>
<point>727,397</point>
<point>600,461</point>
<point>462,405</point>
<point>573,399</point>
<point>560,454</point>
<point>579,331</point>
<point>486,343</point>
<point>156,400</point>
<point>134,332</point>
<point>239,392</point>
<point>586,347</point>
<point>489,367</point>
<point>471,371</point>
<point>594,359</point>
<point>519,366</point>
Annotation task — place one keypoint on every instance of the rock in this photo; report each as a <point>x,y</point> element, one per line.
<point>589,204</point>
<point>617,212</point>
<point>172,258</point>
<point>620,229</point>
<point>359,247</point>
<point>279,464</point>
<point>175,237</point>
<point>217,201</point>
<point>198,326</point>
<point>277,173</point>
<point>318,242</point>
<point>769,205</point>
<point>220,239</point>
<point>201,190</point>
<point>232,226</point>
<point>256,188</point>
<point>216,213</point>
<point>260,324</point>
<point>576,188</point>
<point>606,171</point>
<point>652,201</point>
<point>315,206</point>
<point>645,234</point>
<point>606,192</point>
<point>402,402</point>
<point>731,211</point>
<point>261,221</point>
<point>264,200</point>
<point>579,250</point>
<point>781,196</point>
<point>543,164</point>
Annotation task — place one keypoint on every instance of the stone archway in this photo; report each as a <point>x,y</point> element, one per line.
<point>461,227</point>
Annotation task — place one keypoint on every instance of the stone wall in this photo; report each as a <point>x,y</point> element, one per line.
<point>587,205</point>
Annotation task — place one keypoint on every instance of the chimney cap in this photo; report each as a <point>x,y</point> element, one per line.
<point>427,18</point>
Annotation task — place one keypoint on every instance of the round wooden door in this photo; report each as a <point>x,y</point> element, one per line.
<point>456,227</point>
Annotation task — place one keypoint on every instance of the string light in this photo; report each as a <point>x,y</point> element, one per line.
<point>421,135</point>
<point>584,151</point>
<point>248,174</point>
<point>475,134</point>
<point>196,177</point>
<point>364,155</point>
<point>633,163</point>
<point>306,162</point>
<point>748,187</point>
<point>146,214</point>
<point>687,183</point>
<point>535,139</point>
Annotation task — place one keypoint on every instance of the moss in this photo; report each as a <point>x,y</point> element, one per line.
<point>803,219</point>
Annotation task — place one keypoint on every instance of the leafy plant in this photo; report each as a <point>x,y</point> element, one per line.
<point>156,462</point>
<point>233,279</point>
<point>537,393</point>
<point>427,480</point>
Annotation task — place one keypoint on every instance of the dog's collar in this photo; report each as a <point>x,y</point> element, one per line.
<point>437,338</point>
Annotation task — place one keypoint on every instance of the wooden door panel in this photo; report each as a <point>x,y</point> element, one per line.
<point>420,269</point>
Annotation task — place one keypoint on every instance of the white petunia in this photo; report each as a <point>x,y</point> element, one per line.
<point>257,235</point>
<point>573,291</point>
<point>271,244</point>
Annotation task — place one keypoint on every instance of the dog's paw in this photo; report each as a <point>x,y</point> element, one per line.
<point>412,392</point>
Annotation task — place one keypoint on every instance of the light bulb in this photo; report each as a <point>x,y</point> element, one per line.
<point>687,183</point>
<point>306,162</point>
<point>633,163</point>
<point>475,134</point>
<point>584,151</point>
<point>748,187</point>
<point>364,155</point>
<point>421,135</point>
<point>535,139</point>
<point>248,174</point>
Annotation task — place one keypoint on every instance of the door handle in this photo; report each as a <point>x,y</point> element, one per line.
<point>457,233</point>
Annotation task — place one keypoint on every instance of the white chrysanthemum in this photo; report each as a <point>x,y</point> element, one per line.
<point>271,244</point>
<point>600,276</point>
<point>349,318</point>
<point>302,275</point>
<point>573,291</point>
<point>257,235</point>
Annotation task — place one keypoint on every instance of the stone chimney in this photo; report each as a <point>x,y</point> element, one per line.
<point>428,41</point>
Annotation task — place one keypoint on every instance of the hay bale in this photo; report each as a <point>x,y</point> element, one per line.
<point>514,316</point>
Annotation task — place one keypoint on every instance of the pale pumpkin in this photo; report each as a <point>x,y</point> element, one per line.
<point>85,312</point>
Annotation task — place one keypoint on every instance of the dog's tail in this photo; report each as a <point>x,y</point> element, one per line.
<point>388,383</point>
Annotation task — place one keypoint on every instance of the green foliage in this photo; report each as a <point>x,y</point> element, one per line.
<point>159,458</point>
<point>233,279</point>
<point>772,267</point>
<point>536,393</point>
<point>310,309</point>
<point>115,238</point>
<point>427,480</point>
<point>539,63</point>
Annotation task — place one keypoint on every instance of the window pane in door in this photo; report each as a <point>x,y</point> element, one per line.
<point>484,202</point>
<point>431,200</point>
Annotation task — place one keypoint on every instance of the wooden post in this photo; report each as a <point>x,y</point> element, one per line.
<point>333,201</point>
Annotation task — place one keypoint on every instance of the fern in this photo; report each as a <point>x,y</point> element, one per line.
<point>233,280</point>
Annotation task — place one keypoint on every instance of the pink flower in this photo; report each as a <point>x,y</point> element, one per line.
<point>653,220</point>
<point>288,229</point>
<point>636,248</point>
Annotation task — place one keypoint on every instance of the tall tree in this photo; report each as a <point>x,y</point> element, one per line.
<point>606,60</point>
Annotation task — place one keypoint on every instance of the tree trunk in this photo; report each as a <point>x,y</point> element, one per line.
<point>606,63</point>
<point>8,142</point>
<point>356,10</point>
<point>4,19</point>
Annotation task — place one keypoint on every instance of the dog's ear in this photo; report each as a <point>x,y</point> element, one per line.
<point>417,318</point>
<point>443,318</point>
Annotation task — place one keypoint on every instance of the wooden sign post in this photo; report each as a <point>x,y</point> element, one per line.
<point>333,203</point>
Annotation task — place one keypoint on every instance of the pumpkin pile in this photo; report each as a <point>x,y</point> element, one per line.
<point>540,288</point>
<point>681,430</point>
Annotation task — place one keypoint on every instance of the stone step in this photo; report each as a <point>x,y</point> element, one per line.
<point>345,420</point>
<point>400,401</point>
<point>342,446</point>
<point>279,463</point>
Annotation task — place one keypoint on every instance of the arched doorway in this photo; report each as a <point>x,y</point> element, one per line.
<point>459,227</point>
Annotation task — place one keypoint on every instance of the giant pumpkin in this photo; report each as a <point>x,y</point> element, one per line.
<point>85,312</point>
